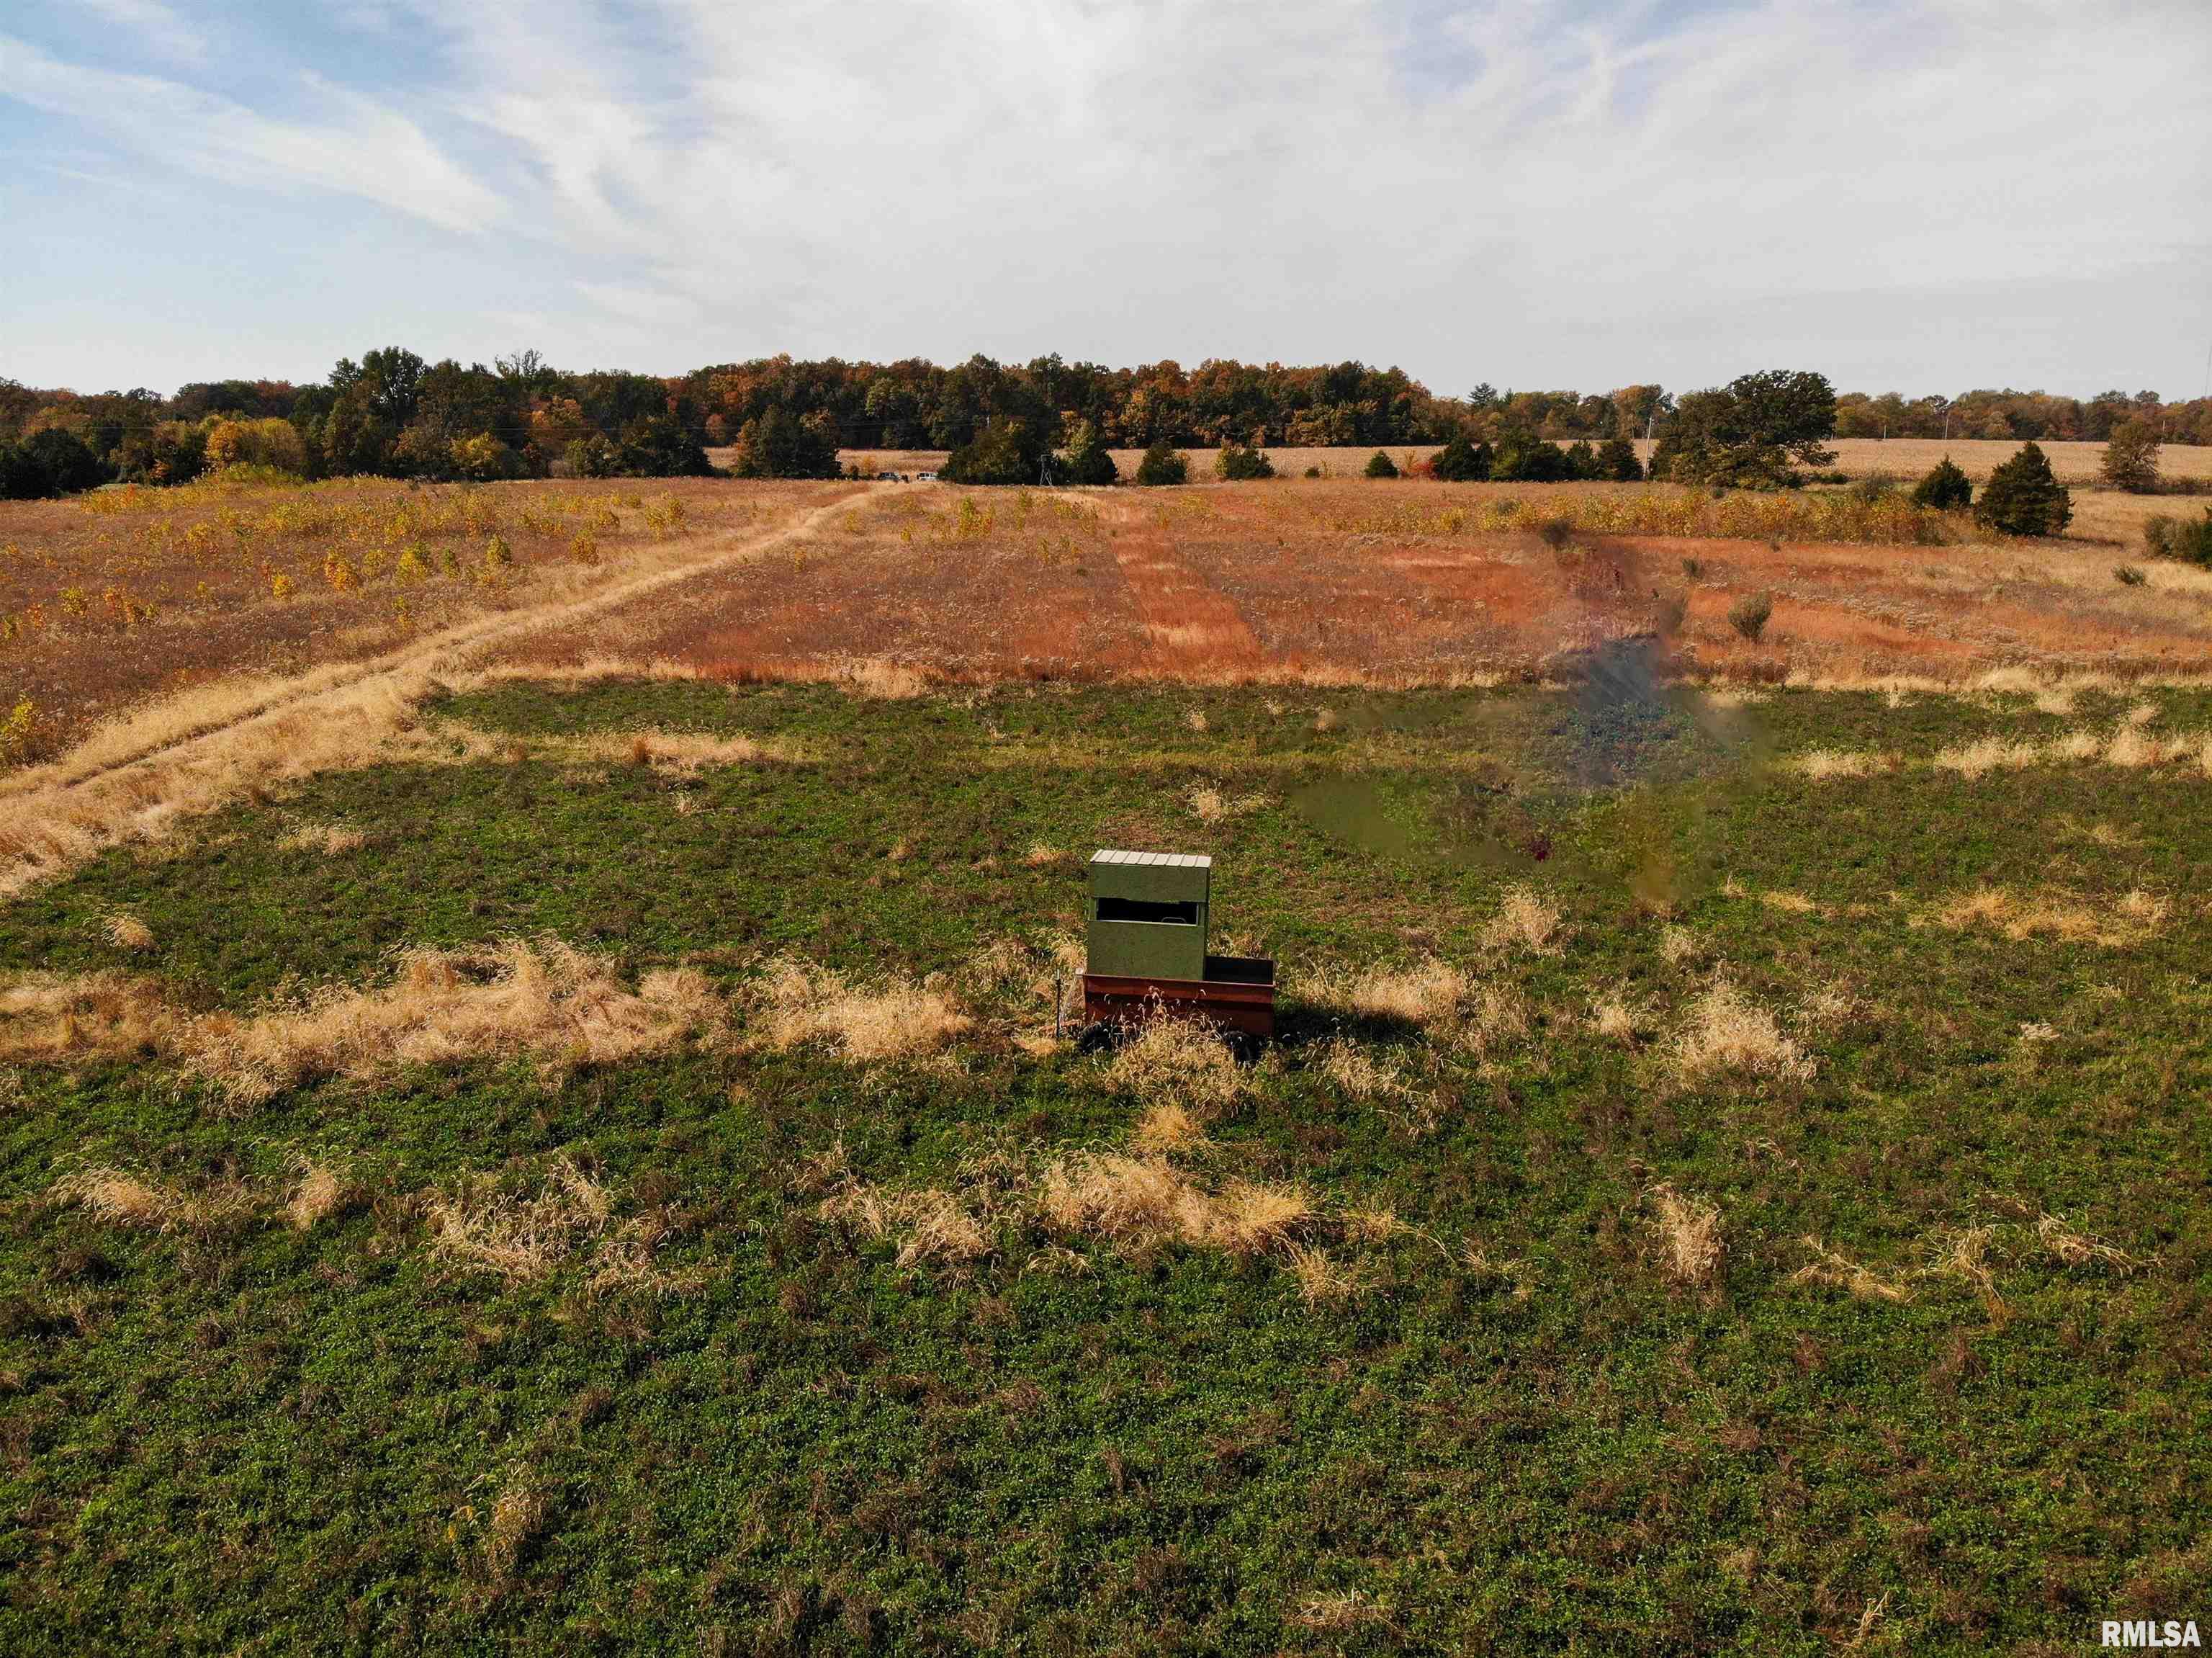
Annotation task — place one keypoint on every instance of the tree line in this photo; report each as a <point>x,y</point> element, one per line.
<point>391,413</point>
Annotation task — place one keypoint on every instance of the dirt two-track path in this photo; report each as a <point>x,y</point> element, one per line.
<point>1192,628</point>
<point>139,772</point>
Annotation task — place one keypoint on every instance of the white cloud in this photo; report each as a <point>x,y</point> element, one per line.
<point>359,147</point>
<point>1586,190</point>
<point>154,24</point>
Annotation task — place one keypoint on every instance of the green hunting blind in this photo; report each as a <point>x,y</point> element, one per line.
<point>1148,915</point>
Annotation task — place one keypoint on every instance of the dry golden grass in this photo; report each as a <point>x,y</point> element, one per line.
<point>1172,1060</point>
<point>2136,916</point>
<point>517,1516</point>
<point>330,839</point>
<point>1840,1273</point>
<point>542,1000</point>
<point>320,1195</point>
<point>121,1199</point>
<point>2070,1247</point>
<point>1165,1129</point>
<point>1689,1229</point>
<point>1354,1072</point>
<point>521,1240</point>
<point>1964,1255</point>
<point>890,1019</point>
<point>1678,945</point>
<point>687,752</point>
<point>1142,1203</point>
<point>1526,920</point>
<point>127,931</point>
<point>1212,806</point>
<point>932,1226</point>
<point>1344,1613</point>
<point>1324,1280</point>
<point>1431,993</point>
<point>1728,1034</point>
<point>1615,1018</point>
<point>56,1020</point>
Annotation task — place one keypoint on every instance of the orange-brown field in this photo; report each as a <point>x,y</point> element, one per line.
<point>112,599</point>
<point>1402,583</point>
<point>108,599</point>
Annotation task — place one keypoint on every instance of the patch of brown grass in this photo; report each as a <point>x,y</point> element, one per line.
<point>1179,1062</point>
<point>1354,1072</point>
<point>1165,1129</point>
<point>1964,1254</point>
<point>1526,920</point>
<point>686,751</point>
<point>2136,916</point>
<point>1689,1229</point>
<point>1214,806</point>
<point>47,1018</point>
<point>521,1240</point>
<point>1324,1280</point>
<point>330,839</point>
<point>320,1195</point>
<point>1615,1018</point>
<point>517,1517</point>
<point>889,1019</point>
<point>540,999</point>
<point>1840,1272</point>
<point>127,931</point>
<point>1727,1033</point>
<point>2070,1247</point>
<point>1430,993</point>
<point>121,1199</point>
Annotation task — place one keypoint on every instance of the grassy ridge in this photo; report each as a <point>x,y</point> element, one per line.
<point>255,1437</point>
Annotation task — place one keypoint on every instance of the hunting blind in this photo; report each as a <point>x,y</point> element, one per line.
<point>1148,915</point>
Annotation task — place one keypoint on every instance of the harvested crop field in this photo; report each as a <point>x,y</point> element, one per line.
<point>1401,584</point>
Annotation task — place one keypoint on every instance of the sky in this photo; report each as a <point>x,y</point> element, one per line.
<point>1920,195</point>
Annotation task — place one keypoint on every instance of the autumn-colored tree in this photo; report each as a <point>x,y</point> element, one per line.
<point>779,445</point>
<point>2130,462</point>
<point>1749,433</point>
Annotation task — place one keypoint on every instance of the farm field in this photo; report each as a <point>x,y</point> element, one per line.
<point>1901,458</point>
<point>606,1179</point>
<point>539,1120</point>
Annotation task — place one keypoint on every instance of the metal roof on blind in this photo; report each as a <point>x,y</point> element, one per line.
<point>1165,860</point>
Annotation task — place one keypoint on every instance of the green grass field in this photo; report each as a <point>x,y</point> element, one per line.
<point>1507,1423</point>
